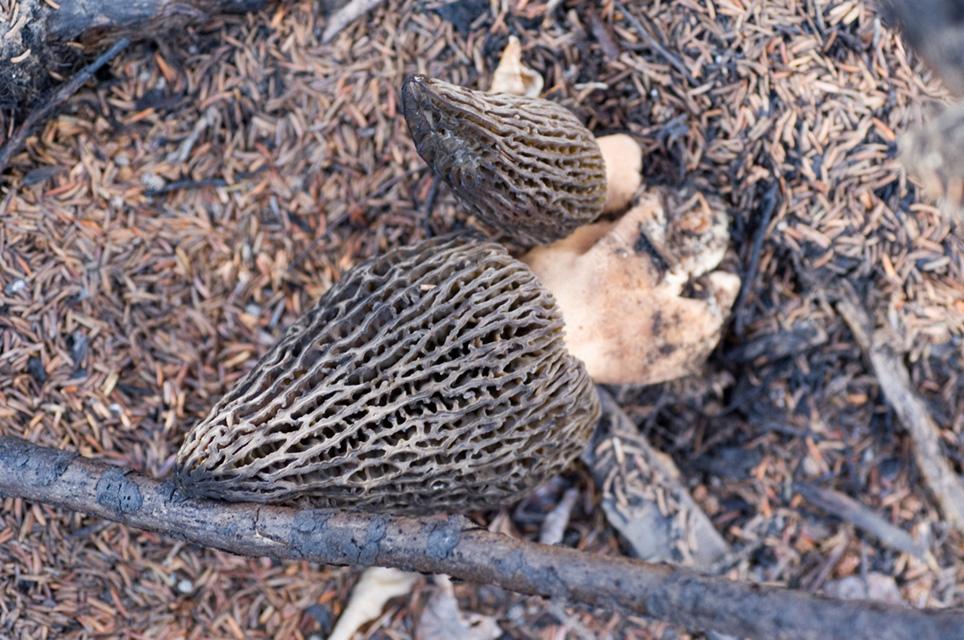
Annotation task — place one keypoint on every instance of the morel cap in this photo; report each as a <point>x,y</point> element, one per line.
<point>525,166</point>
<point>432,378</point>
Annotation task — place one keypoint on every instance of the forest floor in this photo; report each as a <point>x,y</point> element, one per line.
<point>186,207</point>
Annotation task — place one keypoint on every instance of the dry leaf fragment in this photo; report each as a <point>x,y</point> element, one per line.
<point>442,620</point>
<point>511,76</point>
<point>376,586</point>
<point>555,523</point>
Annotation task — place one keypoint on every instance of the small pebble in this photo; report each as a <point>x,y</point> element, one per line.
<point>15,287</point>
<point>322,615</point>
<point>185,586</point>
<point>78,347</point>
<point>153,181</point>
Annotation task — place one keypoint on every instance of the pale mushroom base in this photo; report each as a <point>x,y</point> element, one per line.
<point>621,287</point>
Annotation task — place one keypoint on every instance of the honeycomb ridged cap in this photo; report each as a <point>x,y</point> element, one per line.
<point>432,378</point>
<point>525,166</point>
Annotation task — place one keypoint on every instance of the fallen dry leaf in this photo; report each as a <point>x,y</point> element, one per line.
<point>376,586</point>
<point>511,76</point>
<point>442,620</point>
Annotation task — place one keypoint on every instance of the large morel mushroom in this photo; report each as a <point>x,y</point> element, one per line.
<point>525,166</point>
<point>432,378</point>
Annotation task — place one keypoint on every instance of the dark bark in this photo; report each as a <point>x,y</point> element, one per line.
<point>42,40</point>
<point>865,519</point>
<point>450,546</point>
<point>90,20</point>
<point>933,152</point>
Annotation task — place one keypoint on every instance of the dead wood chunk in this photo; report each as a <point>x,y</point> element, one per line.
<point>934,154</point>
<point>935,29</point>
<point>432,378</point>
<point>525,166</point>
<point>642,496</point>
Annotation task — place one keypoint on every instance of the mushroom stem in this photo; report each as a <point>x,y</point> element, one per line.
<point>624,165</point>
<point>620,287</point>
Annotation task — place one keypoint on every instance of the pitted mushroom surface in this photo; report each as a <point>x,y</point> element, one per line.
<point>523,165</point>
<point>432,378</point>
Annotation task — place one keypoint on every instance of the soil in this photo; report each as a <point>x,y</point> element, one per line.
<point>187,205</point>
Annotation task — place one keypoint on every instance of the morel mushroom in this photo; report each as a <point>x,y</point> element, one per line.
<point>432,378</point>
<point>525,166</point>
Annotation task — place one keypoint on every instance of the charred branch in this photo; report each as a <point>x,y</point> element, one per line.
<point>450,546</point>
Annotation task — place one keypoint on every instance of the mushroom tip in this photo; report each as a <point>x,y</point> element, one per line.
<point>506,156</point>
<point>414,92</point>
<point>412,86</point>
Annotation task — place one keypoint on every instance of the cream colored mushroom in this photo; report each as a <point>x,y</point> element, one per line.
<point>623,158</point>
<point>620,287</point>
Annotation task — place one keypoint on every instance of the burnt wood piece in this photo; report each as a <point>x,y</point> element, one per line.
<point>450,545</point>
<point>41,40</point>
<point>935,29</point>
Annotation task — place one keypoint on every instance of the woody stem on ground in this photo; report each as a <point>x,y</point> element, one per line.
<point>895,383</point>
<point>450,545</point>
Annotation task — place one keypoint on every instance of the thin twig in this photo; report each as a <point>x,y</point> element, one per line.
<point>603,34</point>
<point>654,44</point>
<point>946,486</point>
<point>190,183</point>
<point>770,202</point>
<point>346,15</point>
<point>849,510</point>
<point>450,545</point>
<point>51,104</point>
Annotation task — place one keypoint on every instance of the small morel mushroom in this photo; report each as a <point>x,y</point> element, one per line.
<point>432,378</point>
<point>525,166</point>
